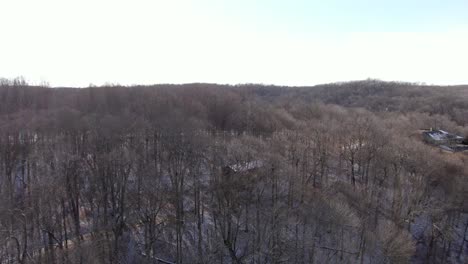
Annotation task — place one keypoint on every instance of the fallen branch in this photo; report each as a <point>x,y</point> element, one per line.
<point>157,259</point>
<point>340,250</point>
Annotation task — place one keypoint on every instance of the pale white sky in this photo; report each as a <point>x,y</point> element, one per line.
<point>297,42</point>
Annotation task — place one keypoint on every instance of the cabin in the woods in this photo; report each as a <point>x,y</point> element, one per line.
<point>438,136</point>
<point>445,140</point>
<point>243,167</point>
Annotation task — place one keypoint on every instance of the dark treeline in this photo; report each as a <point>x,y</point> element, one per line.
<point>204,173</point>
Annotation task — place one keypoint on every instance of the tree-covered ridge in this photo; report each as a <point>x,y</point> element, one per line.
<point>205,173</point>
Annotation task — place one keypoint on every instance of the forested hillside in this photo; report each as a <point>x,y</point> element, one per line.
<point>205,173</point>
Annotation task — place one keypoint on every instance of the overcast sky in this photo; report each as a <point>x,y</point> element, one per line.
<point>286,42</point>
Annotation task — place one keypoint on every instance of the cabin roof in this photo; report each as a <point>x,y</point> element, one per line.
<point>441,135</point>
<point>246,166</point>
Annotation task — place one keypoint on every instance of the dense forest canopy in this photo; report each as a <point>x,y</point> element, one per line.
<point>207,173</point>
